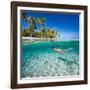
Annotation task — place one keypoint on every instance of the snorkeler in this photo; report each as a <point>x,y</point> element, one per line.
<point>61,50</point>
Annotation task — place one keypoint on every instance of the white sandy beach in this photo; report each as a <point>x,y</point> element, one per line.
<point>38,39</point>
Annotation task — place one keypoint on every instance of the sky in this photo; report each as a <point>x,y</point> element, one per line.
<point>66,24</point>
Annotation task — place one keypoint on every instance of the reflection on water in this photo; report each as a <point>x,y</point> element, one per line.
<point>40,60</point>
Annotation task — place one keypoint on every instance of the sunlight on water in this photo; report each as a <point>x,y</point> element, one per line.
<point>40,60</point>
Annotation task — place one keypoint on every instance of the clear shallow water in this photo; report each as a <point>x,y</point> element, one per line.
<point>40,60</point>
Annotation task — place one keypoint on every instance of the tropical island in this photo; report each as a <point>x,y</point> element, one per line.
<point>50,44</point>
<point>37,30</point>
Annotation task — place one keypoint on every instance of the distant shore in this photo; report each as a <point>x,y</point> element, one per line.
<point>33,39</point>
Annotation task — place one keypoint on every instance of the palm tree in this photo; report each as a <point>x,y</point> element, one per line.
<point>41,21</point>
<point>26,32</point>
<point>54,33</point>
<point>31,30</point>
<point>51,33</point>
<point>24,16</point>
<point>43,32</point>
<point>33,23</point>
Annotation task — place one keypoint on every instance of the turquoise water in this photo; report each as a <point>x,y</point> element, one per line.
<point>40,60</point>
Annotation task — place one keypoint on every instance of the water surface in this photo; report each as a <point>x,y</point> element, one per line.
<point>40,60</point>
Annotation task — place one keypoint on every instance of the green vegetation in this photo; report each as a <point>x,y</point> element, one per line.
<point>37,24</point>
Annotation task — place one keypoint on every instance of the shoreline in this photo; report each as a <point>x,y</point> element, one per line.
<point>33,39</point>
